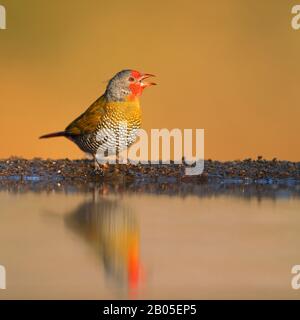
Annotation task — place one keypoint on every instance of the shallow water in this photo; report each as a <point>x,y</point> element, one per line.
<point>159,241</point>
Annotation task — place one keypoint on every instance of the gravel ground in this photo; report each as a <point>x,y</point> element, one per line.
<point>248,178</point>
<point>259,171</point>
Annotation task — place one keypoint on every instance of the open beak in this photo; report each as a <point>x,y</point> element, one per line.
<point>144,77</point>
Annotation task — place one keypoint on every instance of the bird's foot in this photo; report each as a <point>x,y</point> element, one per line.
<point>100,168</point>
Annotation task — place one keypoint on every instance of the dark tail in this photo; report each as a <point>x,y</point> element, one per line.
<point>53,135</point>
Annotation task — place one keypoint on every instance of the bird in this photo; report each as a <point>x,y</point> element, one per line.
<point>113,120</point>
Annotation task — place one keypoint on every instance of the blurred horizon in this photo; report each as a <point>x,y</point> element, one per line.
<point>230,68</point>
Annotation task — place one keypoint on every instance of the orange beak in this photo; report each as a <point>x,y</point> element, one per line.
<point>144,77</point>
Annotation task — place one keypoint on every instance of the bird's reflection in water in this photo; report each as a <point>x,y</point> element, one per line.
<point>112,230</point>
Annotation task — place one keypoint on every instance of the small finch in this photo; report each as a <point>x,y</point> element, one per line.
<point>101,126</point>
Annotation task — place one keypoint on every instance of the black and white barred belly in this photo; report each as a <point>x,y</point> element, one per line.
<point>110,137</point>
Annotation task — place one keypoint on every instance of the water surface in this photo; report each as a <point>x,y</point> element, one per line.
<point>151,241</point>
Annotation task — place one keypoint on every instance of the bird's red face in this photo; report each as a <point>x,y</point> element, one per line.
<point>137,84</point>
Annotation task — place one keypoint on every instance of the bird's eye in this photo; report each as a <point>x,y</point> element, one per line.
<point>130,79</point>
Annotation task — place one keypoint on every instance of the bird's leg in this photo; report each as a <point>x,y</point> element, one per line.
<point>117,157</point>
<point>97,166</point>
<point>117,162</point>
<point>121,159</point>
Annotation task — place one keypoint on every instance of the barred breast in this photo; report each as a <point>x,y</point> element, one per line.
<point>116,131</point>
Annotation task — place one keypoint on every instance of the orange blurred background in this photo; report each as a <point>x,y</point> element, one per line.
<point>230,67</point>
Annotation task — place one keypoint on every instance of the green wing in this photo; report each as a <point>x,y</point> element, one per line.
<point>88,121</point>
